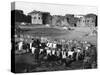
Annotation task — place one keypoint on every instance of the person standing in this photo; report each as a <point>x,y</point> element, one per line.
<point>20,45</point>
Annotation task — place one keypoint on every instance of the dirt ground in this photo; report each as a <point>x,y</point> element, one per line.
<point>26,63</point>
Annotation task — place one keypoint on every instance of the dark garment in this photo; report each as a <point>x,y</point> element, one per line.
<point>59,46</point>
<point>36,53</point>
<point>33,44</point>
<point>24,46</point>
<point>43,45</point>
<point>66,62</point>
<point>36,43</point>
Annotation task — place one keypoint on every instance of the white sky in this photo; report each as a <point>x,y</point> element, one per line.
<point>55,9</point>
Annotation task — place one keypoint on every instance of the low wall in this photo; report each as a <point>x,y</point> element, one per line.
<point>83,29</point>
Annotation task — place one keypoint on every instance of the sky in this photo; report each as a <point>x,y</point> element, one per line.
<point>55,9</point>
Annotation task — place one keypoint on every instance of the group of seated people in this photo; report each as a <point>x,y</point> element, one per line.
<point>62,51</point>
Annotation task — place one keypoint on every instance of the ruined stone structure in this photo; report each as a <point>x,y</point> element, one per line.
<point>87,21</point>
<point>59,20</point>
<point>72,20</point>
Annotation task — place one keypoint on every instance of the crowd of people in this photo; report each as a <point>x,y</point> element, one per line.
<point>61,51</point>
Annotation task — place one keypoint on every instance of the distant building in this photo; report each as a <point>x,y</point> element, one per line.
<point>38,17</point>
<point>72,19</point>
<point>64,22</point>
<point>86,21</point>
<point>55,20</point>
<point>58,20</point>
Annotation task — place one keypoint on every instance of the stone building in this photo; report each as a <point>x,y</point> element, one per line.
<point>72,19</point>
<point>87,21</point>
<point>64,21</point>
<point>58,20</point>
<point>38,17</point>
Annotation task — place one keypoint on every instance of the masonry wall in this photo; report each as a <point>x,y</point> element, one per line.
<point>36,18</point>
<point>59,21</point>
<point>86,22</point>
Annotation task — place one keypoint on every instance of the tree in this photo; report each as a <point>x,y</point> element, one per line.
<point>19,16</point>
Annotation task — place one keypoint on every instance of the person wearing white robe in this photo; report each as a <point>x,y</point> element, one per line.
<point>53,52</point>
<point>51,45</point>
<point>64,55</point>
<point>54,45</point>
<point>20,44</point>
<point>48,51</point>
<point>30,45</point>
<point>41,50</point>
<point>48,44</point>
<point>33,50</point>
<point>78,52</point>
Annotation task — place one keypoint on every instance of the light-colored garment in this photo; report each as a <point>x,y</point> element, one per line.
<point>54,45</point>
<point>20,44</point>
<point>31,45</point>
<point>33,50</point>
<point>58,53</point>
<point>64,55</point>
<point>86,48</point>
<point>53,52</point>
<point>49,45</point>
<point>70,53</point>
<point>41,50</point>
<point>78,50</point>
<point>40,45</point>
<point>48,51</point>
